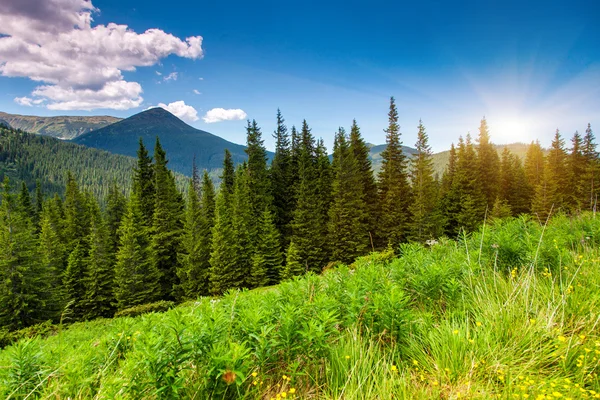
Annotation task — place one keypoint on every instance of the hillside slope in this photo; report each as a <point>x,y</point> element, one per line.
<point>63,127</point>
<point>508,313</point>
<point>181,141</point>
<point>28,157</point>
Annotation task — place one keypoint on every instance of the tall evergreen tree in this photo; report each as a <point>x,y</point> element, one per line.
<point>223,274</point>
<point>39,200</point>
<point>267,260</point>
<point>258,176</point>
<point>370,204</point>
<point>544,200</point>
<point>116,207</point>
<point>137,281</point>
<point>425,218</point>
<point>576,168</point>
<point>448,205</point>
<point>558,171</point>
<point>76,215</point>
<point>21,278</point>
<point>488,165</point>
<point>25,202</point>
<point>294,265</point>
<point>394,190</point>
<point>167,225</point>
<point>207,210</point>
<point>467,186</point>
<point>144,183</point>
<point>534,164</point>
<point>228,176</point>
<point>281,179</point>
<point>244,225</point>
<point>514,186</point>
<point>192,274</point>
<point>591,174</point>
<point>99,274</point>
<point>73,282</point>
<point>348,229</point>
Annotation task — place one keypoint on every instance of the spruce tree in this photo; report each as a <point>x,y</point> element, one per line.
<point>448,206</point>
<point>223,274</point>
<point>556,162</point>
<point>577,166</point>
<point>294,265</point>
<point>116,206</point>
<point>590,176</point>
<point>534,164</point>
<point>192,274</point>
<point>73,281</point>
<point>22,279</point>
<point>39,201</point>
<point>167,225</point>
<point>137,281</point>
<point>228,176</point>
<point>394,190</point>
<point>25,202</point>
<point>488,165</point>
<point>467,187</point>
<point>544,201</point>
<point>425,221</point>
<point>370,203</point>
<point>144,183</point>
<point>514,186</point>
<point>99,274</point>
<point>308,224</point>
<point>76,215</point>
<point>207,209</point>
<point>281,179</point>
<point>244,226</point>
<point>348,229</point>
<point>268,256</point>
<point>258,176</point>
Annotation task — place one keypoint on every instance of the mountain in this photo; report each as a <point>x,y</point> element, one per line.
<point>4,124</point>
<point>181,141</point>
<point>29,157</point>
<point>59,127</point>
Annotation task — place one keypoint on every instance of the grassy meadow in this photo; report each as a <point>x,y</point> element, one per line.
<point>511,311</point>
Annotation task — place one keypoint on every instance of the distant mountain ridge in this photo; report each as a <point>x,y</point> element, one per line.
<point>61,127</point>
<point>181,141</point>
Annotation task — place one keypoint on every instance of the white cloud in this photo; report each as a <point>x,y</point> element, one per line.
<point>24,101</point>
<point>221,114</point>
<point>158,73</point>
<point>201,79</point>
<point>53,41</point>
<point>180,110</point>
<point>196,91</point>
<point>171,76</point>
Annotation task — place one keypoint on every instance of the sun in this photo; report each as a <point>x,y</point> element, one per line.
<point>510,128</point>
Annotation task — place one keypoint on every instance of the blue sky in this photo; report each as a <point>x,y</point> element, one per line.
<point>528,66</point>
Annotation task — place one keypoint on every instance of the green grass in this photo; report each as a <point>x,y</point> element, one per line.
<point>509,312</point>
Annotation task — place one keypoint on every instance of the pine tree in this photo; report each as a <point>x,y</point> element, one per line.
<point>167,225</point>
<point>467,186</point>
<point>53,258</point>
<point>207,209</point>
<point>488,165</point>
<point>544,199</point>
<point>534,164</point>
<point>577,165</point>
<point>394,190</point>
<point>76,218</point>
<point>99,274</point>
<point>281,179</point>
<point>73,282</point>
<point>514,186</point>
<point>137,281</point>
<point>370,203</point>
<point>22,281</point>
<point>556,162</point>
<point>448,206</point>
<point>192,274</point>
<point>590,176</point>
<point>25,202</point>
<point>308,224</point>
<point>258,176</point>
<point>116,206</point>
<point>425,218</point>
<point>223,274</point>
<point>267,260</point>
<point>348,230</point>
<point>244,226</point>
<point>144,183</point>
<point>228,177</point>
<point>293,264</point>
<point>39,200</point>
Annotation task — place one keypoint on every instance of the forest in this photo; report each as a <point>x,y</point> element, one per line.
<point>82,256</point>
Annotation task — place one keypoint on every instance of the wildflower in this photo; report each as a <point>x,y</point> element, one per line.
<point>284,377</point>
<point>283,395</point>
<point>455,332</point>
<point>532,321</point>
<point>394,368</point>
<point>561,338</point>
<point>435,383</point>
<point>582,337</point>
<point>229,377</point>
<point>478,323</point>
<point>347,357</point>
<point>292,390</point>
<point>254,374</point>
<point>471,341</point>
<point>415,362</point>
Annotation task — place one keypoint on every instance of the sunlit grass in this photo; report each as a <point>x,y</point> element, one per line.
<point>510,312</point>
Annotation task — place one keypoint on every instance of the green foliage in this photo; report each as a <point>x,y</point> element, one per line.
<point>159,306</point>
<point>268,259</point>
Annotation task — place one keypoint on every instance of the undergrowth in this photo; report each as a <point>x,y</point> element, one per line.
<point>511,311</point>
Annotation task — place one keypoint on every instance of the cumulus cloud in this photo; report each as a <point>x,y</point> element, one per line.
<point>180,110</point>
<point>196,91</point>
<point>53,42</point>
<point>24,101</point>
<point>171,77</point>
<point>221,114</point>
